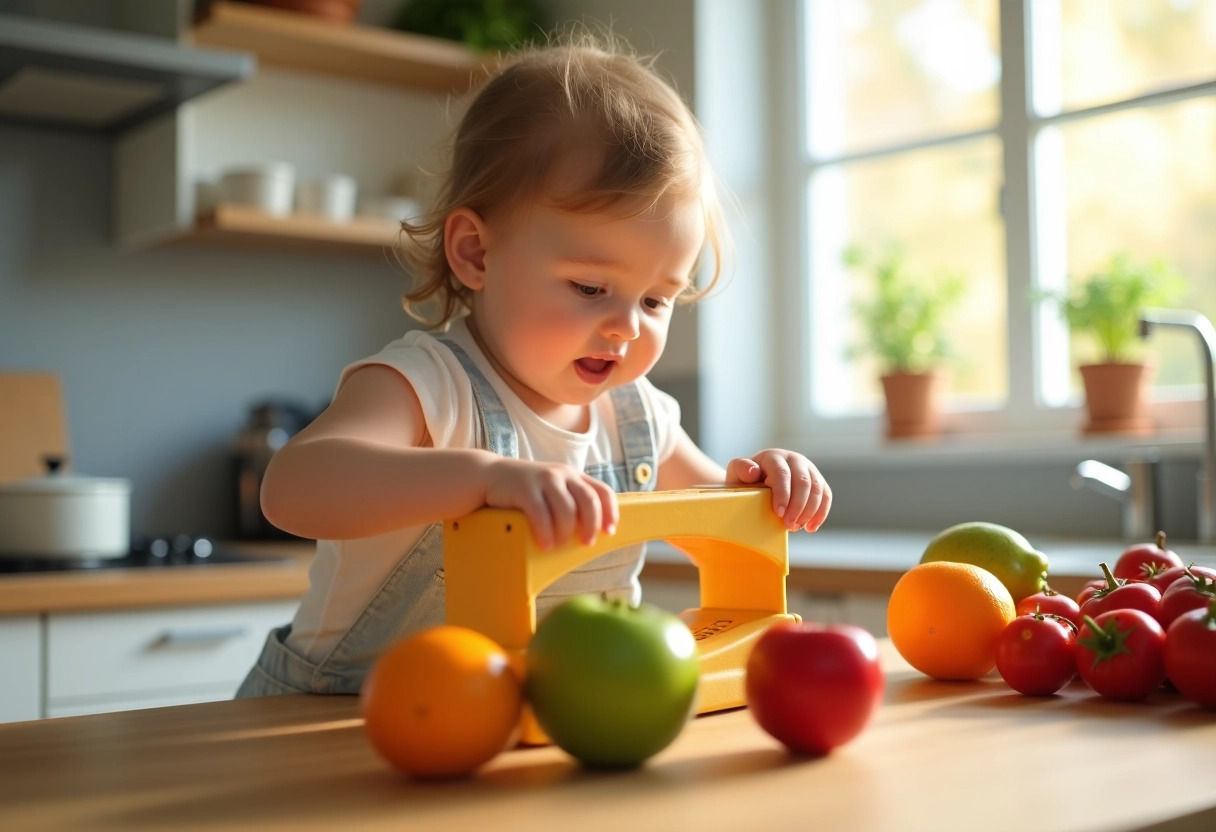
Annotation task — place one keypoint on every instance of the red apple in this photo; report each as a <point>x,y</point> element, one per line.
<point>1141,561</point>
<point>813,686</point>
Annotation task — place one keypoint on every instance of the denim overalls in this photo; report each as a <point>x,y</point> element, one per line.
<point>412,597</point>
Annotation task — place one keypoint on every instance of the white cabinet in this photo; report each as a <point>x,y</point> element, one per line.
<point>112,661</point>
<point>21,658</point>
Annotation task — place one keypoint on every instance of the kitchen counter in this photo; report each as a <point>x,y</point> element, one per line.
<point>281,572</point>
<point>842,561</point>
<point>939,756</point>
<point>828,562</point>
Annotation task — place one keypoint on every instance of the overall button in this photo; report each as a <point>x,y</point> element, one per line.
<point>643,473</point>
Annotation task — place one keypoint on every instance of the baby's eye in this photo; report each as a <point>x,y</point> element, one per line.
<point>656,303</point>
<point>585,289</point>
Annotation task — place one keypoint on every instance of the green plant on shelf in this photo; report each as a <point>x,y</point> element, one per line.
<point>483,25</point>
<point>903,320</point>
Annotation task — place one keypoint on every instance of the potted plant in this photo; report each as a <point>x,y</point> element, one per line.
<point>1106,306</point>
<point>903,328</point>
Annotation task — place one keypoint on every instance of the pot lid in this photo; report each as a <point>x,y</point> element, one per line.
<point>59,483</point>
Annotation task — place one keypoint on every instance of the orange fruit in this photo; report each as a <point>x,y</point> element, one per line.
<point>441,702</point>
<point>944,618</point>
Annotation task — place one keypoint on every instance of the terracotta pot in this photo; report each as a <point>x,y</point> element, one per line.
<point>913,404</point>
<point>1115,396</point>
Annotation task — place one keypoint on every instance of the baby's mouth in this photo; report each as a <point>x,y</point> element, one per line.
<point>594,370</point>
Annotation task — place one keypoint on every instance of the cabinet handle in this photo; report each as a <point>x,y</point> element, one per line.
<point>184,636</point>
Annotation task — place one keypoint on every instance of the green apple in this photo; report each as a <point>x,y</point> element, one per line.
<point>999,549</point>
<point>610,683</point>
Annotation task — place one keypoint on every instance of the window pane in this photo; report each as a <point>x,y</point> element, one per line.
<point>1144,182</point>
<point>940,206</point>
<point>881,72</point>
<point>1114,49</point>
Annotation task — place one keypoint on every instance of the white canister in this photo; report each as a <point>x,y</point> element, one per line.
<point>65,516</point>
<point>332,197</point>
<point>268,187</point>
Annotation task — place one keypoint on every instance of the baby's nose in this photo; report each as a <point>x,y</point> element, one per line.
<point>622,323</point>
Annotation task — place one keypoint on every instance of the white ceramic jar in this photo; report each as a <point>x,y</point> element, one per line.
<point>269,187</point>
<point>65,516</point>
<point>332,197</point>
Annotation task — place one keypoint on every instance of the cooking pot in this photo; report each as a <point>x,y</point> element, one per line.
<point>61,515</point>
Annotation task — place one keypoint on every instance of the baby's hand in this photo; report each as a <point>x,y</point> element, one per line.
<point>801,496</point>
<point>557,499</point>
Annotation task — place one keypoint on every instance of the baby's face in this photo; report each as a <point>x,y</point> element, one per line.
<point>575,304</point>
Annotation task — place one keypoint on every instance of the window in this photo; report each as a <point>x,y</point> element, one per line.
<point>1021,145</point>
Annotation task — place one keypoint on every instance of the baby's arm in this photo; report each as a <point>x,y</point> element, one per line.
<point>801,496</point>
<point>361,469</point>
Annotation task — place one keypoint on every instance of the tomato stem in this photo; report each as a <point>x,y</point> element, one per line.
<point>1160,540</point>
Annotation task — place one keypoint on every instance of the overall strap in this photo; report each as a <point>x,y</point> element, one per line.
<point>497,432</point>
<point>637,438</point>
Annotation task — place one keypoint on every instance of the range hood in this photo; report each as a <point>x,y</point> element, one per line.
<point>61,75</point>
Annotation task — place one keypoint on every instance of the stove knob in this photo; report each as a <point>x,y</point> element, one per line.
<point>158,548</point>
<point>202,547</point>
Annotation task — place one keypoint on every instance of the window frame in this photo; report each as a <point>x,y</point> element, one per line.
<point>1036,335</point>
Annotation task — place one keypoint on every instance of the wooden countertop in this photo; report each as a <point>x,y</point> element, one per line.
<point>939,756</point>
<point>828,562</point>
<point>869,562</point>
<point>282,575</point>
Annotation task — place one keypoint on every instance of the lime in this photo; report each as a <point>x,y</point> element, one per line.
<point>1001,550</point>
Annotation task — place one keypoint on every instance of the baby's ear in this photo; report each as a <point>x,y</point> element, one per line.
<point>464,241</point>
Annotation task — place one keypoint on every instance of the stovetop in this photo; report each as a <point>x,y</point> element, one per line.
<point>146,553</point>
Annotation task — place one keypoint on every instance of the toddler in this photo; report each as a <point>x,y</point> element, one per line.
<point>571,223</point>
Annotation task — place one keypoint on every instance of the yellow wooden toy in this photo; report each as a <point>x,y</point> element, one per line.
<point>495,572</point>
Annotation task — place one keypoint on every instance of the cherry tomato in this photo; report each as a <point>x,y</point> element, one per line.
<point>1190,592</point>
<point>1190,655</point>
<point>1162,580</point>
<point>1142,561</point>
<point>1050,602</point>
<point>1036,654</point>
<point>1089,589</point>
<point>1120,654</point>
<point>1122,595</point>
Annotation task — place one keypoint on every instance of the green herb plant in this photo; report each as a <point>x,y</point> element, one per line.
<point>1108,303</point>
<point>483,25</point>
<point>904,320</point>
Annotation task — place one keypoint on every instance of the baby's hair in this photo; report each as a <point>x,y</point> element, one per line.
<point>580,91</point>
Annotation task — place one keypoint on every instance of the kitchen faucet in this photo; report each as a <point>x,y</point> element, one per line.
<point>1135,489</point>
<point>1202,328</point>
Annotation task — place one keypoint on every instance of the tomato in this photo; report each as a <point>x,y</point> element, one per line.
<point>813,686</point>
<point>1190,592</point>
<point>1142,561</point>
<point>611,684</point>
<point>1050,602</point>
<point>1120,654</point>
<point>1122,595</point>
<point>1036,654</point>
<point>1162,580</point>
<point>1190,655</point>
<point>1089,589</point>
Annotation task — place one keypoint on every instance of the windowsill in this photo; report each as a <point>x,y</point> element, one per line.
<point>977,448</point>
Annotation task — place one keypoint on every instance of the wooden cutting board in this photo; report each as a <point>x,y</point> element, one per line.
<point>32,423</point>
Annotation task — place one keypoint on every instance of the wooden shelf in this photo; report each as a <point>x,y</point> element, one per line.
<point>243,224</point>
<point>366,53</point>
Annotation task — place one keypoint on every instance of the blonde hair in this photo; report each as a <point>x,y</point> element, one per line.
<point>540,104</point>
